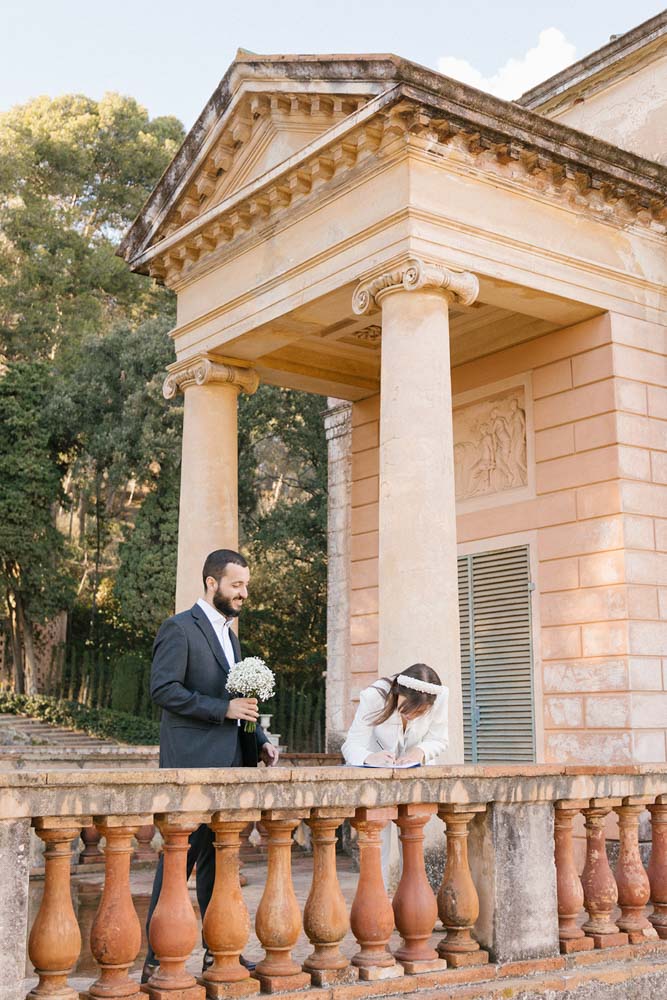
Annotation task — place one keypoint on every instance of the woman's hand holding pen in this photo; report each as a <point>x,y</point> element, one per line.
<point>382,757</point>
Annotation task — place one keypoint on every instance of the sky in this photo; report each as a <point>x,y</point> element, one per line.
<point>170,55</point>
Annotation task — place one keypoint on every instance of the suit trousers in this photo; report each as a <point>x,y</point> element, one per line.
<point>201,853</point>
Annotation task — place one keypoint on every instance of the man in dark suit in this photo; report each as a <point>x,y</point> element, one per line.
<point>201,722</point>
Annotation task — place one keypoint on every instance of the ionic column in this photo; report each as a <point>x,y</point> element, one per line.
<point>458,902</point>
<point>173,929</point>
<point>278,918</point>
<point>631,879</point>
<point>568,884</point>
<point>372,916</point>
<point>325,919</point>
<point>115,937</point>
<point>414,905</point>
<point>55,940</point>
<point>417,501</point>
<point>597,879</point>
<point>657,868</point>
<point>227,922</point>
<point>208,516</point>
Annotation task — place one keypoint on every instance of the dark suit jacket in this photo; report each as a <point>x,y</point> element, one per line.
<point>188,679</point>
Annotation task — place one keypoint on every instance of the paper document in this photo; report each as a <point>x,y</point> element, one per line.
<point>411,763</point>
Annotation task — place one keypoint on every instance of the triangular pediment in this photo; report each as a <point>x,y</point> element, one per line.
<point>262,130</point>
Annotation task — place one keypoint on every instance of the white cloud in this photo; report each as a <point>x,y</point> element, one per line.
<point>552,53</point>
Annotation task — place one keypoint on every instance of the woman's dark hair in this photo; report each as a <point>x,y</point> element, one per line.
<point>415,702</point>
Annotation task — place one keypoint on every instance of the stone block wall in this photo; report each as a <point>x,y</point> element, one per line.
<point>595,516</point>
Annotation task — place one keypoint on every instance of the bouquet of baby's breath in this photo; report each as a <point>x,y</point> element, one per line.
<point>251,678</point>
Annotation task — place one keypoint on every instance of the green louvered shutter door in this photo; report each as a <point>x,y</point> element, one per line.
<point>465,621</point>
<point>498,671</point>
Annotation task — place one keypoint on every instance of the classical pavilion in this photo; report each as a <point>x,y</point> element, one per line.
<point>477,287</point>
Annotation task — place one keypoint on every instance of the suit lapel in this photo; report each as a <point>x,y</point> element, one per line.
<point>236,645</point>
<point>209,633</point>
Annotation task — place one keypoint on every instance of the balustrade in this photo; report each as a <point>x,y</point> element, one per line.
<point>334,796</point>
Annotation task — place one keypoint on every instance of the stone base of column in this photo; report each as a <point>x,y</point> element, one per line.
<point>218,991</point>
<point>372,973</point>
<point>425,965</point>
<point>186,993</point>
<point>333,977</point>
<point>643,935</point>
<point>281,984</point>
<point>130,996</point>
<point>464,959</point>
<point>616,940</point>
<point>572,945</point>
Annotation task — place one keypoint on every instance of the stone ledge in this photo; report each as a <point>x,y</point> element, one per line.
<point>122,792</point>
<point>633,973</point>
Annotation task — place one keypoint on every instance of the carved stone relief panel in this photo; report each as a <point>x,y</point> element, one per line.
<point>490,444</point>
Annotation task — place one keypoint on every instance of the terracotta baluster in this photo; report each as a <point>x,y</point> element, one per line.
<point>657,868</point>
<point>458,902</point>
<point>278,918</point>
<point>91,853</point>
<point>325,919</point>
<point>173,929</point>
<point>115,937</point>
<point>597,879</point>
<point>144,836</point>
<point>372,916</point>
<point>415,907</point>
<point>227,922</point>
<point>568,884</point>
<point>55,940</point>
<point>632,881</point>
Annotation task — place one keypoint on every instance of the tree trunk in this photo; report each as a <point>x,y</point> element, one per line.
<point>29,659</point>
<point>17,646</point>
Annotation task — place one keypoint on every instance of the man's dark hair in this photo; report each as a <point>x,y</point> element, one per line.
<point>217,561</point>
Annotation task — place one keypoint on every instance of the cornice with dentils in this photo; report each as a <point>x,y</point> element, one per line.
<point>442,108</point>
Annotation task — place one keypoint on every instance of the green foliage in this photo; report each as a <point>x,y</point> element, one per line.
<point>283,515</point>
<point>103,723</point>
<point>73,174</point>
<point>145,581</point>
<point>130,678</point>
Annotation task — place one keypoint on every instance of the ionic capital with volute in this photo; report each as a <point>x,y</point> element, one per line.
<point>204,369</point>
<point>412,275</point>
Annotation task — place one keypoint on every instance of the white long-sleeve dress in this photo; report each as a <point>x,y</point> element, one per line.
<point>429,732</point>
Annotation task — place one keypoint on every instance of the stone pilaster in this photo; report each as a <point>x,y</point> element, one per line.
<point>208,515</point>
<point>338,429</point>
<point>418,595</point>
<point>14,880</point>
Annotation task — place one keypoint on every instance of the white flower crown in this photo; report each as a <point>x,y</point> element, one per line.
<point>413,682</point>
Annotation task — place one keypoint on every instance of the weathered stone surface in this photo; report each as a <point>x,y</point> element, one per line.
<point>109,792</point>
<point>512,862</point>
<point>14,873</point>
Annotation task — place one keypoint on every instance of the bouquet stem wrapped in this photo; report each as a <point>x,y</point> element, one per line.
<point>251,678</point>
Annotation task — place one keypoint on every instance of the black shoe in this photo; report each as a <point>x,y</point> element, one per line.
<point>148,970</point>
<point>208,962</point>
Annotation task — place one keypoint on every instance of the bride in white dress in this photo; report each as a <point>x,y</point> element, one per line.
<point>401,720</point>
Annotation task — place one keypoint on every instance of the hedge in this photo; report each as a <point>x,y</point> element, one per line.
<point>101,722</point>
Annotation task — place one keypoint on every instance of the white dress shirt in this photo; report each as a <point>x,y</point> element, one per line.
<point>429,732</point>
<point>221,627</point>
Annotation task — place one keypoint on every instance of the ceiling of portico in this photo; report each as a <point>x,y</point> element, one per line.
<point>322,348</point>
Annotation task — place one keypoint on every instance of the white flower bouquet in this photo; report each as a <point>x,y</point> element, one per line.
<point>251,678</point>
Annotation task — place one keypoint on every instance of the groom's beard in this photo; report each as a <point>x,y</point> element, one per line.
<point>224,606</point>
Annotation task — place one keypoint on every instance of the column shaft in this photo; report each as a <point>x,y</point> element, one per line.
<point>208,514</point>
<point>417,565</point>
